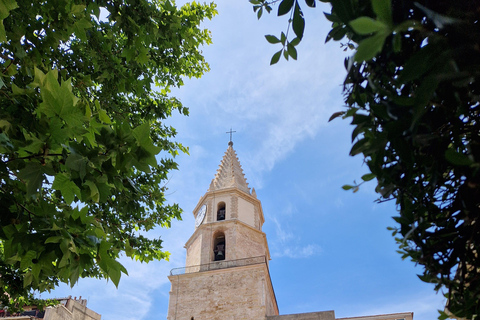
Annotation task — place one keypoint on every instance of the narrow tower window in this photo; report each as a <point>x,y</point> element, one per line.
<point>221,211</point>
<point>219,247</point>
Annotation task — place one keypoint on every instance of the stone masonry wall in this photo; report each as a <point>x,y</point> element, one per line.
<point>249,243</point>
<point>72,311</point>
<point>194,251</point>
<point>240,293</point>
<point>323,315</point>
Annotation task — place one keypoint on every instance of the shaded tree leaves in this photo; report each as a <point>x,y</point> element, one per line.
<point>411,92</point>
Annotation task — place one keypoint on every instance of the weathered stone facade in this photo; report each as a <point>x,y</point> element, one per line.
<point>237,293</point>
<point>68,309</point>
<point>237,285</point>
<point>73,309</point>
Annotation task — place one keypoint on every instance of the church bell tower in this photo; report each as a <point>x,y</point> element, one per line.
<point>226,274</point>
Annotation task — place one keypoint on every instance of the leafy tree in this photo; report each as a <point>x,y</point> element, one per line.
<point>84,90</point>
<point>412,92</point>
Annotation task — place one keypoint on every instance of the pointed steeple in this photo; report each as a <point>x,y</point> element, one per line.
<point>229,173</point>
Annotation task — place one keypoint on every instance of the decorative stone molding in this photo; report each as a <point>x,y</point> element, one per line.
<point>234,207</point>
<point>256,219</point>
<point>210,211</point>
<point>230,174</point>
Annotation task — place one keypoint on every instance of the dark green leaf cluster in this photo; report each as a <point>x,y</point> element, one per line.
<point>84,90</point>
<point>412,92</point>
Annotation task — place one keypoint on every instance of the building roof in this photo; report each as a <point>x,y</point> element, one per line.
<point>230,173</point>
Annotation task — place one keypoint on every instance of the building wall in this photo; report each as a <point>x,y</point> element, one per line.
<point>73,310</point>
<point>241,241</point>
<point>391,316</point>
<point>194,251</point>
<point>323,315</point>
<point>249,242</point>
<point>246,212</point>
<point>225,294</point>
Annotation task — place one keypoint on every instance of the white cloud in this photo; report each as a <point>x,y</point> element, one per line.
<point>273,107</point>
<point>286,244</point>
<point>296,252</point>
<point>281,235</point>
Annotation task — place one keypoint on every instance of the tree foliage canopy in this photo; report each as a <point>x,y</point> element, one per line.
<point>84,90</point>
<point>412,92</point>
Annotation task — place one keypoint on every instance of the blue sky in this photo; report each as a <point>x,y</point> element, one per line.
<point>330,248</point>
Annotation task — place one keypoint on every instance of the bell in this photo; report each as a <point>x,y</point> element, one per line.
<point>220,253</point>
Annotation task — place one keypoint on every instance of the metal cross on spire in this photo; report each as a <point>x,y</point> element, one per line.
<point>231,132</point>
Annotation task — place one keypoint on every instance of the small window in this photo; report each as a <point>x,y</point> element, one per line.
<point>221,211</point>
<point>219,252</point>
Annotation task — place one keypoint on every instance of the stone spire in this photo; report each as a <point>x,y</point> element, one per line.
<point>229,173</point>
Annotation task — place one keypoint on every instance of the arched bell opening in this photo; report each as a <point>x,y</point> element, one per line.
<point>221,212</point>
<point>219,252</point>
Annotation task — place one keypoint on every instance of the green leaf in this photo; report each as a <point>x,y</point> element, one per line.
<point>383,10</point>
<point>5,7</point>
<point>284,7</point>
<point>292,52</point>
<point>27,259</point>
<point>103,116</point>
<point>74,275</point>
<point>94,193</point>
<point>114,271</point>
<point>310,3</point>
<point>458,158</point>
<point>367,25</point>
<point>347,187</point>
<point>259,12</point>
<point>272,39</point>
<point>332,17</point>
<point>397,42</point>
<point>424,93</point>
<point>276,57</point>
<point>370,47</point>
<point>359,147</point>
<point>295,42</point>
<point>39,78</point>
<point>420,63</point>
<point>27,279</point>
<point>368,176</point>
<point>129,251</point>
<point>298,22</point>
<point>77,163</point>
<point>79,28</point>
<point>283,38</point>
<point>16,90</point>
<point>343,9</point>
<point>55,239</point>
<point>143,55</point>
<point>142,135</point>
<point>336,115</point>
<point>33,176</point>
<point>67,187</point>
<point>336,34</point>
